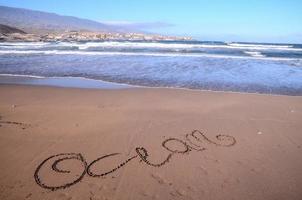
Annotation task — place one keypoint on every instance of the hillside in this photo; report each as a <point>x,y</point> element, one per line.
<point>29,25</point>
<point>4,29</point>
<point>42,22</point>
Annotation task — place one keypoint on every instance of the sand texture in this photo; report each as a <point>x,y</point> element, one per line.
<point>76,144</point>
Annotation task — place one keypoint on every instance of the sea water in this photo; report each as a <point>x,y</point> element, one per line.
<point>219,66</point>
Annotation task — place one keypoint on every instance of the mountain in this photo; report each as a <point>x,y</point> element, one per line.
<point>19,24</point>
<point>42,22</point>
<point>8,30</point>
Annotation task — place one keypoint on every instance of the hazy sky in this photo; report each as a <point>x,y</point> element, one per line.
<point>227,20</point>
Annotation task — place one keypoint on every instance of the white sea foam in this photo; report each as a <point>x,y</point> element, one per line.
<point>19,75</point>
<point>22,47</point>
<point>134,45</point>
<point>112,44</point>
<point>94,53</point>
<point>181,46</point>
<point>264,47</point>
<point>24,43</point>
<point>259,45</point>
<point>254,53</point>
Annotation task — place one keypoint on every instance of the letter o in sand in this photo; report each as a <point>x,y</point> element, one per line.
<point>56,159</point>
<point>175,140</point>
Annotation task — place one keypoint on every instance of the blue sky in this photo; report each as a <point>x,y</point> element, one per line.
<point>226,20</point>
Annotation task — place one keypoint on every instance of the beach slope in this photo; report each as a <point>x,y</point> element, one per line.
<point>63,143</point>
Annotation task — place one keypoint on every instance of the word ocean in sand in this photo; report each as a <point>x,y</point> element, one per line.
<point>192,142</point>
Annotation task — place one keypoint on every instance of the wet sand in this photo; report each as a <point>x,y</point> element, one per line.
<point>63,143</point>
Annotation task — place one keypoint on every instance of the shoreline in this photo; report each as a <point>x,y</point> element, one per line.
<point>64,82</point>
<point>87,83</point>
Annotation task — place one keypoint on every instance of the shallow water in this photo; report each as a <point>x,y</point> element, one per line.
<point>260,68</point>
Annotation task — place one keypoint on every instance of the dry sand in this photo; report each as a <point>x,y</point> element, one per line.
<point>258,156</point>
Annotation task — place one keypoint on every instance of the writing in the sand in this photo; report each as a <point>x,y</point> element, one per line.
<point>191,142</point>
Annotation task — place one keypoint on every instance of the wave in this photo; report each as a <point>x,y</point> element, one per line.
<point>94,53</point>
<point>179,46</point>
<point>159,45</point>
<point>259,45</point>
<point>22,75</point>
<point>24,43</point>
<point>254,53</point>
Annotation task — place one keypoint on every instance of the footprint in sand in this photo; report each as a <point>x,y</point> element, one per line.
<point>95,198</point>
<point>145,194</point>
<point>63,196</point>
<point>92,185</point>
<point>181,192</point>
<point>237,180</point>
<point>100,188</point>
<point>28,196</point>
<point>159,179</point>
<point>204,170</point>
<point>173,193</point>
<point>239,162</point>
<point>191,189</point>
<point>178,192</point>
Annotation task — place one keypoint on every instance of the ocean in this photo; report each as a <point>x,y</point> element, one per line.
<point>216,66</point>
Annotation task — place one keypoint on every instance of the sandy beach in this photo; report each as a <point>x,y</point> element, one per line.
<point>139,143</point>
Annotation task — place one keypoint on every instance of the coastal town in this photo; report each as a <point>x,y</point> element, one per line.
<point>82,36</point>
